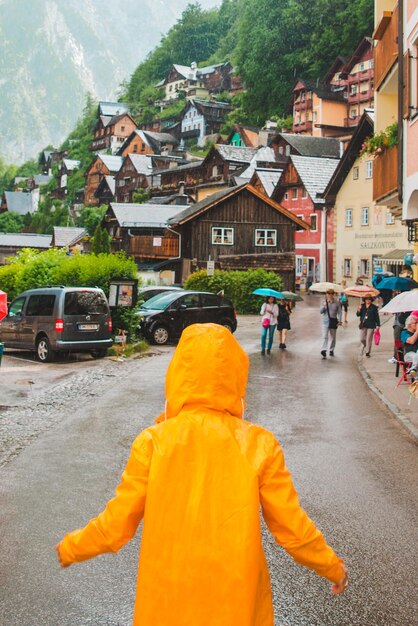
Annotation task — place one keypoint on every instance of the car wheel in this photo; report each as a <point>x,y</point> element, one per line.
<point>227,324</point>
<point>160,335</point>
<point>44,352</point>
<point>99,354</point>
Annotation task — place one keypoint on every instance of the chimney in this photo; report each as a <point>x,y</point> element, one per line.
<point>182,199</point>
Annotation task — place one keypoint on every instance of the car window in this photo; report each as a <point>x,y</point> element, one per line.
<point>160,301</point>
<point>16,307</point>
<point>191,300</point>
<point>41,305</point>
<point>84,303</point>
<point>210,300</point>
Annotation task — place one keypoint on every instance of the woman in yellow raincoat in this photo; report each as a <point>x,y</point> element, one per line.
<point>198,479</point>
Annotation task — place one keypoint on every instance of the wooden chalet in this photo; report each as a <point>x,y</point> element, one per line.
<point>197,82</point>
<point>134,174</point>
<point>111,132</point>
<point>103,165</point>
<point>148,142</point>
<point>105,192</point>
<point>239,228</point>
<point>66,169</point>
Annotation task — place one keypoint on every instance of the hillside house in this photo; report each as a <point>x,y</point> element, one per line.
<point>111,132</point>
<point>105,192</point>
<point>103,165</point>
<point>21,202</point>
<point>68,237</point>
<point>66,169</point>
<point>243,136</point>
<point>148,142</point>
<point>135,173</point>
<point>299,190</point>
<point>196,82</point>
<point>201,118</point>
<point>287,144</point>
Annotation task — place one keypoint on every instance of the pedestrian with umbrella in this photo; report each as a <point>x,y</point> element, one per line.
<point>331,319</point>
<point>369,322</point>
<point>269,312</point>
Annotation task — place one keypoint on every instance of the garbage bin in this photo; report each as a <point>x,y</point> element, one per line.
<point>1,351</point>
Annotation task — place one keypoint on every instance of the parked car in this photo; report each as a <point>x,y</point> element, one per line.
<point>164,316</point>
<point>145,293</point>
<point>58,319</point>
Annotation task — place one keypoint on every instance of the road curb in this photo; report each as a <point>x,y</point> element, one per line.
<point>397,413</point>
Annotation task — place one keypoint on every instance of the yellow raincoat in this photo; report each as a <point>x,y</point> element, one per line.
<point>198,479</point>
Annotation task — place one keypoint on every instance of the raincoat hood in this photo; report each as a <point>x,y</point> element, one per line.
<point>209,370</point>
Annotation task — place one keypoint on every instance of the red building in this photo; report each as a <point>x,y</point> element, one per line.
<point>299,190</point>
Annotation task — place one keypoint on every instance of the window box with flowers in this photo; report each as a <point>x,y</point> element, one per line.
<point>379,142</point>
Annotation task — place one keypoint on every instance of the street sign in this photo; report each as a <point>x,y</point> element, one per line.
<point>210,268</point>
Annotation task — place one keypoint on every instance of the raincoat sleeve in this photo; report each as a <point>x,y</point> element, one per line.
<point>288,522</point>
<point>117,524</point>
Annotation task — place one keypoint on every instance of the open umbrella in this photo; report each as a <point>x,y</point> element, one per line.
<point>406,301</point>
<point>397,283</point>
<point>264,291</point>
<point>359,291</point>
<point>292,297</point>
<point>3,305</point>
<point>325,286</point>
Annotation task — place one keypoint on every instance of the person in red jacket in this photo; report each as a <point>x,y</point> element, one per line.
<point>198,478</point>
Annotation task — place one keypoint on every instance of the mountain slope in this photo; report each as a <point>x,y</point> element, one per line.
<point>53,52</point>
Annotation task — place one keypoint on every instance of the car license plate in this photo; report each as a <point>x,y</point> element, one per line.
<point>88,327</point>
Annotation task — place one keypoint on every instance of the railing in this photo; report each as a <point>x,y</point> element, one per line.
<point>154,247</point>
<point>302,127</point>
<point>385,173</point>
<point>360,96</point>
<point>386,50</point>
<point>302,106</point>
<point>360,76</point>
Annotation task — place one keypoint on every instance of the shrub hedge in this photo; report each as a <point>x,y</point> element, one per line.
<point>236,285</point>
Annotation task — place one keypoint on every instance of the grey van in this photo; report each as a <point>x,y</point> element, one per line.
<point>58,319</point>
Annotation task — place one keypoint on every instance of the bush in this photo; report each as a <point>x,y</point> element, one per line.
<point>236,285</point>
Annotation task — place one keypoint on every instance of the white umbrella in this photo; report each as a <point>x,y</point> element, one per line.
<point>405,301</point>
<point>325,286</point>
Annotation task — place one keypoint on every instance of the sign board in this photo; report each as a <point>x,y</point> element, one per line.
<point>123,293</point>
<point>210,268</point>
<point>157,242</point>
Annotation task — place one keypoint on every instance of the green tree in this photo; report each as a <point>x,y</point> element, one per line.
<point>90,217</point>
<point>101,241</point>
<point>11,222</point>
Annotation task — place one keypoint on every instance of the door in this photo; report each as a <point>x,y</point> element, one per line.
<point>189,311</point>
<point>38,316</point>
<point>85,316</point>
<point>311,272</point>
<point>10,326</point>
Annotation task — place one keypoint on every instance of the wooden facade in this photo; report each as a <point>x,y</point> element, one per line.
<point>128,180</point>
<point>256,230</point>
<point>111,134</point>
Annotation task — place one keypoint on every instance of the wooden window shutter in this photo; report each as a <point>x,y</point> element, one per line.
<point>406,86</point>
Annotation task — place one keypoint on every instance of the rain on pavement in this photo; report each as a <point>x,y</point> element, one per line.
<point>354,468</point>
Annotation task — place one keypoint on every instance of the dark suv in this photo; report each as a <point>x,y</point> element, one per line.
<point>58,319</point>
<point>164,317</point>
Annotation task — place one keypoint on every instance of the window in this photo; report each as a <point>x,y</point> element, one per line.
<point>353,89</point>
<point>16,308</point>
<point>41,305</point>
<point>389,217</point>
<point>353,114</point>
<point>369,169</point>
<point>361,67</point>
<point>304,193</point>
<point>122,128</point>
<point>286,195</point>
<point>265,237</point>
<point>347,267</point>
<point>84,303</point>
<point>364,267</point>
<point>288,150</point>
<point>121,183</point>
<point>280,149</point>
<point>223,236</point>
<point>135,148</point>
<point>355,173</point>
<point>314,115</point>
<point>299,265</point>
<point>365,216</point>
<point>294,193</point>
<point>300,227</point>
<point>349,217</point>
<point>191,301</point>
<point>314,223</point>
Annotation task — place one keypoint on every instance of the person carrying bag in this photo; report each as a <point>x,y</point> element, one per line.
<point>331,312</point>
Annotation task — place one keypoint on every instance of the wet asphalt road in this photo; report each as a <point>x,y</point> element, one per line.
<point>354,468</point>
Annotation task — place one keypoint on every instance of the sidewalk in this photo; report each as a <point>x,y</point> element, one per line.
<point>380,376</point>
